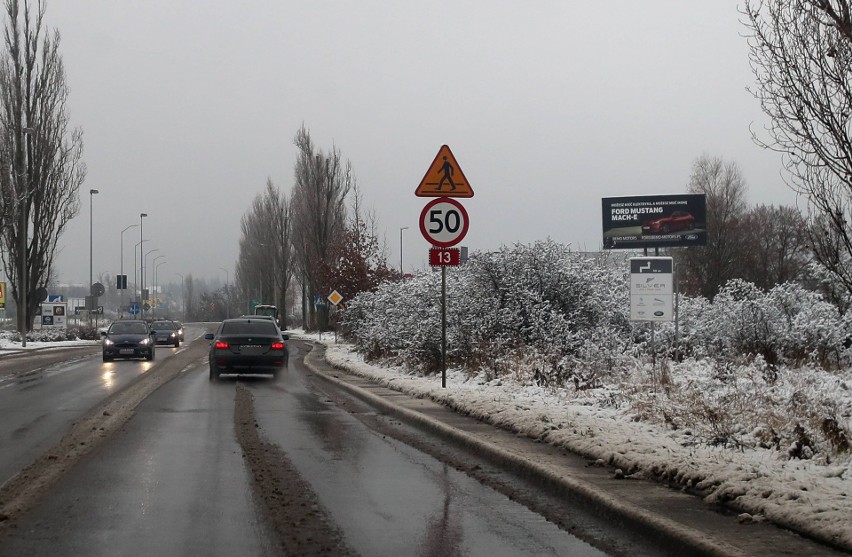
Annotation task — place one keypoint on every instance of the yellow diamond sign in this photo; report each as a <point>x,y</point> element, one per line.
<point>335,297</point>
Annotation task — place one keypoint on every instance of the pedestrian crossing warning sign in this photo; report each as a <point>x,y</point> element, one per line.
<point>444,178</point>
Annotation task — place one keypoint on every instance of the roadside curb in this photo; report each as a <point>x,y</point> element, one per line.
<point>663,528</point>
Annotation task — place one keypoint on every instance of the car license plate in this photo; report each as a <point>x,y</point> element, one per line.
<point>126,351</point>
<point>251,349</point>
<point>162,338</point>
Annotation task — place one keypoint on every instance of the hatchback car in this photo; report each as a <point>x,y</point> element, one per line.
<point>127,339</point>
<point>247,346</point>
<point>166,332</point>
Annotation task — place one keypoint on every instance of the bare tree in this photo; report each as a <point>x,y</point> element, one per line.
<point>278,209</point>
<point>801,56</point>
<point>776,245</point>
<point>357,261</point>
<point>322,182</point>
<point>41,168</point>
<point>705,269</point>
<point>264,268</point>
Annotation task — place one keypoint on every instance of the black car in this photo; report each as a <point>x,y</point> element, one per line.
<point>166,332</point>
<point>128,339</point>
<point>247,346</point>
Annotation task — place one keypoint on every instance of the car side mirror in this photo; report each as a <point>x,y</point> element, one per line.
<point>285,337</point>
<point>208,336</point>
<point>103,333</point>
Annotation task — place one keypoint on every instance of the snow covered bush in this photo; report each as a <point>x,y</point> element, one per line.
<point>786,325</point>
<point>752,368</point>
<point>540,312</point>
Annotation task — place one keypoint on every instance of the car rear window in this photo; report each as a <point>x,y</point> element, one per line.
<point>259,327</point>
<point>163,325</point>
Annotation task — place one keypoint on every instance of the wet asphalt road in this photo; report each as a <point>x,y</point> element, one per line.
<point>173,482</point>
<point>38,405</point>
<point>389,498</point>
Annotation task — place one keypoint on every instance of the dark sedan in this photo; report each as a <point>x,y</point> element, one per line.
<point>166,332</point>
<point>247,346</point>
<point>127,339</point>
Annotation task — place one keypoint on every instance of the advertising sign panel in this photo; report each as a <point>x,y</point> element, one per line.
<point>51,315</point>
<point>651,289</point>
<point>654,221</point>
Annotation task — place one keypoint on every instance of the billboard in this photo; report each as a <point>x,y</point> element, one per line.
<point>51,315</point>
<point>651,289</point>
<point>654,221</point>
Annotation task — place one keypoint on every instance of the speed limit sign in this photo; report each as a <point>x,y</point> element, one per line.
<point>444,222</point>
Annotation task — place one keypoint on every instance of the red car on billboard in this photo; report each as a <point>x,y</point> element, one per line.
<point>678,220</point>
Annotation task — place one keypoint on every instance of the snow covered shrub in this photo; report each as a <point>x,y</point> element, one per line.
<point>786,325</point>
<point>522,301</point>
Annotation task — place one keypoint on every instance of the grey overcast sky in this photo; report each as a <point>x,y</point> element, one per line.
<point>188,107</point>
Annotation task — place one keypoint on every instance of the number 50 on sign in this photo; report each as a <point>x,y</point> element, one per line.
<point>444,222</point>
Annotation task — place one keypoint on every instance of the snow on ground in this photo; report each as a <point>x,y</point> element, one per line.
<point>800,494</point>
<point>8,346</point>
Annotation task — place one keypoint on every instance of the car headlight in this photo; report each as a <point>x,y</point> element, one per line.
<point>108,342</point>
<point>172,335</point>
<point>145,341</point>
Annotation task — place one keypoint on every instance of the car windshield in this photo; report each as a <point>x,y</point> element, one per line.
<point>128,329</point>
<point>259,327</point>
<point>157,325</point>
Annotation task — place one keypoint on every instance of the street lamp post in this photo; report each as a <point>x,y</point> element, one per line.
<point>156,271</point>
<point>92,194</point>
<point>400,250</point>
<point>142,272</point>
<point>141,259</point>
<point>153,294</point>
<point>143,277</point>
<point>136,278</point>
<point>24,232</point>
<point>121,272</point>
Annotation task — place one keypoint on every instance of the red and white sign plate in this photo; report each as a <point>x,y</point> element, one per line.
<point>444,257</point>
<point>444,222</point>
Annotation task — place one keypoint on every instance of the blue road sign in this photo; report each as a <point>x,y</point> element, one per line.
<point>134,309</point>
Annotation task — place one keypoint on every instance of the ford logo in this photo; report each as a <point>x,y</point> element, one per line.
<point>692,236</point>
<point>659,313</point>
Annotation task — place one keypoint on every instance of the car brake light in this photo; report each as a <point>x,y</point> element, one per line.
<point>277,346</point>
<point>221,345</point>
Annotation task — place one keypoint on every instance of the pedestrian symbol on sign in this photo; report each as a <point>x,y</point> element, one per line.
<point>444,170</point>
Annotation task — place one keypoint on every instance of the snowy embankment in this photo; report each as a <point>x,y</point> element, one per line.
<point>763,483</point>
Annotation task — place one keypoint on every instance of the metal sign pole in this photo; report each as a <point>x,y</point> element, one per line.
<point>444,327</point>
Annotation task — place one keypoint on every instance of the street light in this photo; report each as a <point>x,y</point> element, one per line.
<point>24,232</point>
<point>142,274</point>
<point>154,263</point>
<point>141,258</point>
<point>157,266</point>
<point>121,272</point>
<point>92,194</point>
<point>400,250</point>
<point>136,279</point>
